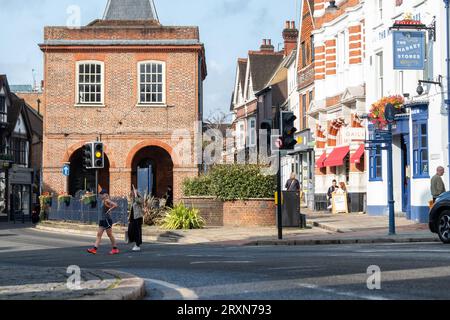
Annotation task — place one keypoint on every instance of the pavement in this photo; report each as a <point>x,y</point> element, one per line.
<point>323,228</point>
<point>44,283</point>
<point>234,272</point>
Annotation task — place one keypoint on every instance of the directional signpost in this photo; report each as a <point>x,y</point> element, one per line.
<point>66,170</point>
<point>382,139</point>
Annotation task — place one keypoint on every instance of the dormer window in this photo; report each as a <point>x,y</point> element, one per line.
<point>3,111</point>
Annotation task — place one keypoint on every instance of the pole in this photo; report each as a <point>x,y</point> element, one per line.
<point>279,207</point>
<point>96,181</point>
<point>391,201</point>
<point>448,75</point>
<point>279,189</point>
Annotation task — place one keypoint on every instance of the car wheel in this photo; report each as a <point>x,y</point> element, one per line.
<point>444,227</point>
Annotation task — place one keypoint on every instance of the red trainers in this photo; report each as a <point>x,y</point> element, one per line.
<point>114,251</point>
<point>92,251</point>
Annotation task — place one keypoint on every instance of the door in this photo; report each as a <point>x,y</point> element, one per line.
<point>406,176</point>
<point>145,180</point>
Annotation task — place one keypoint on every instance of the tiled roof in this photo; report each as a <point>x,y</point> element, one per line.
<point>242,65</point>
<point>262,68</point>
<point>130,10</point>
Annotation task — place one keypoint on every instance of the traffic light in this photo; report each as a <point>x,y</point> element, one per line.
<point>99,155</point>
<point>87,156</point>
<point>288,130</point>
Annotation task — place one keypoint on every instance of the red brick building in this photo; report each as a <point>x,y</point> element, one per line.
<point>131,81</point>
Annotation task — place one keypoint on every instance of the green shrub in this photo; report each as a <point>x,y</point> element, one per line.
<point>181,217</point>
<point>232,182</point>
<point>241,182</point>
<point>198,187</point>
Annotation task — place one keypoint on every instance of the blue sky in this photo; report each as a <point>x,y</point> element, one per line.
<point>229,28</point>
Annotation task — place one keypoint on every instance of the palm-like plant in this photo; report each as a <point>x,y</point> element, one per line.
<point>181,217</point>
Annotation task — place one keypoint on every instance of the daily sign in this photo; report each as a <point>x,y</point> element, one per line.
<point>409,50</point>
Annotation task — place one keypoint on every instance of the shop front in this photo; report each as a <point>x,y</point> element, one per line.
<point>20,192</point>
<point>304,159</point>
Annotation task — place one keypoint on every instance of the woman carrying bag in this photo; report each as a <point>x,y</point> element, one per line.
<point>136,220</point>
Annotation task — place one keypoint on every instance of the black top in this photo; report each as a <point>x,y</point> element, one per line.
<point>292,185</point>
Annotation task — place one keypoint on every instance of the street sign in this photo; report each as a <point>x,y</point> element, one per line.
<point>66,170</point>
<point>409,50</point>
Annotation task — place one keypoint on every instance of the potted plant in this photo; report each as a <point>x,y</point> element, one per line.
<point>377,110</point>
<point>89,199</point>
<point>64,198</point>
<point>45,201</point>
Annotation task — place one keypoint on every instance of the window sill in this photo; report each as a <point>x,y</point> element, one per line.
<point>78,105</point>
<point>149,105</point>
<point>421,177</point>
<point>376,180</point>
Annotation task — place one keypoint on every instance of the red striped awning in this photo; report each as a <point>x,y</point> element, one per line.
<point>336,157</point>
<point>321,160</point>
<point>356,157</point>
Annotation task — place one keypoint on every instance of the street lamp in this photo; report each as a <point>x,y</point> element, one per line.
<point>389,115</point>
<point>332,8</point>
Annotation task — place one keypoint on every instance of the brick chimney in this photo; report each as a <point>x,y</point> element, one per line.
<point>290,36</point>
<point>267,47</point>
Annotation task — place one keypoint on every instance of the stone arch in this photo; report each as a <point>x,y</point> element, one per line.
<point>149,143</point>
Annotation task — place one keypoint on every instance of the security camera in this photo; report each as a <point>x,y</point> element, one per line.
<point>420,89</point>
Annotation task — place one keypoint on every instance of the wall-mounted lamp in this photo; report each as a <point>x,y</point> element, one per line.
<point>332,8</point>
<point>420,89</point>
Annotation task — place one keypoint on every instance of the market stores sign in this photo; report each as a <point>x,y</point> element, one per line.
<point>409,50</point>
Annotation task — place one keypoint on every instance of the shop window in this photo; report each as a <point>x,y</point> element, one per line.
<point>19,150</point>
<point>375,165</point>
<point>420,149</point>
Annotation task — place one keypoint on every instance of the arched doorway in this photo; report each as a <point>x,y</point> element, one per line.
<point>152,171</point>
<point>84,179</point>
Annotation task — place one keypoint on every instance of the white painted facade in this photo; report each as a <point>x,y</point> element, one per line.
<point>379,52</point>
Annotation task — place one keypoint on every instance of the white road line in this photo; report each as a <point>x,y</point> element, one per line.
<point>185,293</point>
<point>220,262</point>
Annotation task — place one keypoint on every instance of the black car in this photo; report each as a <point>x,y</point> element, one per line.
<point>440,217</point>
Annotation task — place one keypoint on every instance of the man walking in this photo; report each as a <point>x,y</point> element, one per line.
<point>437,184</point>
<point>293,185</point>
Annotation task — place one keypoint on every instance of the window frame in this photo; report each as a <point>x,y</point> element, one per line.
<point>164,86</point>
<point>375,170</point>
<point>304,111</point>
<point>20,150</point>
<point>418,149</point>
<point>3,109</point>
<point>252,132</point>
<point>102,83</point>
<point>379,73</point>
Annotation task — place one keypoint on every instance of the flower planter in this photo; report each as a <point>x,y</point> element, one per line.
<point>66,200</point>
<point>90,200</point>
<point>377,110</point>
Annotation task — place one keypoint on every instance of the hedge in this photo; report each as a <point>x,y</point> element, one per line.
<point>232,182</point>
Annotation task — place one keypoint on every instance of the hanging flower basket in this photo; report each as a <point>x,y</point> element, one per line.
<point>89,199</point>
<point>64,198</point>
<point>46,200</point>
<point>377,116</point>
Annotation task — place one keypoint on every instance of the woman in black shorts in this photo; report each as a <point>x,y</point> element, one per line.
<point>105,223</point>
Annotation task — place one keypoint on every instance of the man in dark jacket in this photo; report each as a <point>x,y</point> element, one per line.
<point>293,185</point>
<point>437,185</point>
<point>331,190</point>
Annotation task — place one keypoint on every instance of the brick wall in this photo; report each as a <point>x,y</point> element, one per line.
<point>211,209</point>
<point>125,127</point>
<point>249,213</point>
